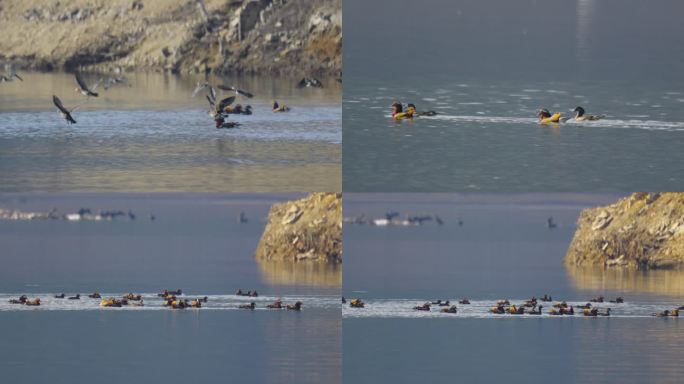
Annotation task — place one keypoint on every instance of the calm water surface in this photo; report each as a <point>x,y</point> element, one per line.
<point>195,243</point>
<point>151,135</point>
<point>486,67</point>
<point>503,249</point>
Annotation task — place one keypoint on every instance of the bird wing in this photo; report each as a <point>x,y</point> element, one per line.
<point>94,86</point>
<point>78,105</point>
<point>211,102</point>
<point>80,82</point>
<point>225,87</point>
<point>199,88</point>
<point>225,102</point>
<point>17,76</point>
<point>245,93</point>
<point>58,104</point>
<point>212,93</point>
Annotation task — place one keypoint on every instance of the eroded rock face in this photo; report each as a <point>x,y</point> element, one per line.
<point>644,230</point>
<point>222,36</point>
<point>305,230</point>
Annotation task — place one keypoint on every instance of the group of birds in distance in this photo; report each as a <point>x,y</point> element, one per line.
<point>170,299</point>
<point>219,108</point>
<point>531,306</point>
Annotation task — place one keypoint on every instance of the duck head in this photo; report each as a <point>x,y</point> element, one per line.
<point>396,108</point>
<point>579,111</point>
<point>543,113</point>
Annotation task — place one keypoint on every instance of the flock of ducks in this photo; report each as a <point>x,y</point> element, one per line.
<point>170,299</point>
<point>531,306</point>
<point>86,90</point>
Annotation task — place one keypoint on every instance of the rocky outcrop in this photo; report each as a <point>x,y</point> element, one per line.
<point>644,230</point>
<point>305,230</point>
<point>294,37</point>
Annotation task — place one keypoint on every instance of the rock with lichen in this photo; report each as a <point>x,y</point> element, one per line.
<point>644,230</point>
<point>304,230</point>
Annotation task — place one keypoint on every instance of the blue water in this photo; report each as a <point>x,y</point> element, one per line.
<point>195,243</point>
<point>486,67</point>
<point>154,136</point>
<point>502,250</point>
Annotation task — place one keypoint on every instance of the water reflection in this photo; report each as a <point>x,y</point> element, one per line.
<point>155,91</point>
<point>312,274</point>
<point>665,282</point>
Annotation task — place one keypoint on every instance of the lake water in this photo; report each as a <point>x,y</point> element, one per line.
<point>501,250</point>
<point>486,67</point>
<point>149,134</point>
<point>195,243</point>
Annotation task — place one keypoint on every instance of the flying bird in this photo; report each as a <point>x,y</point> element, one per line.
<point>10,76</point>
<point>83,88</point>
<point>236,90</point>
<point>200,86</point>
<point>65,113</point>
<point>111,81</point>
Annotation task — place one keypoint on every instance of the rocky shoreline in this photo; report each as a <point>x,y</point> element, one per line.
<point>295,38</point>
<point>305,230</point>
<point>642,231</point>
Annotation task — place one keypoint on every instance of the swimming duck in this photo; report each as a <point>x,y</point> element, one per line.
<point>278,304</point>
<point>356,303</point>
<point>618,300</point>
<point>132,297</point>
<point>545,117</point>
<point>499,310</point>
<point>606,313</point>
<point>33,303</point>
<point>180,304</point>
<point>513,310</point>
<point>668,313</point>
<point>590,312</point>
<point>309,82</point>
<point>503,302</point>
<point>344,301</point>
<point>251,305</point>
<point>398,112</point>
<point>65,113</point>
<point>598,299</point>
<point>111,302</point>
<point>536,312</point>
<point>585,306</point>
<point>581,116</point>
<point>21,300</point>
<point>546,298</point>
<point>296,307</point>
<point>561,304</point>
<point>138,304</point>
<point>77,297</point>
<point>550,224</point>
<point>238,109</point>
<point>280,108</point>
<point>61,296</point>
<point>530,303</point>
<point>451,309</point>
<point>222,123</point>
<point>412,108</point>
<point>83,88</point>
<point>464,301</point>
<point>197,303</point>
<point>424,307</point>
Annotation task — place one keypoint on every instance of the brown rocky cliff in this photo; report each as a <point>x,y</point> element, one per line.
<point>294,37</point>
<point>305,230</point>
<point>644,230</point>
